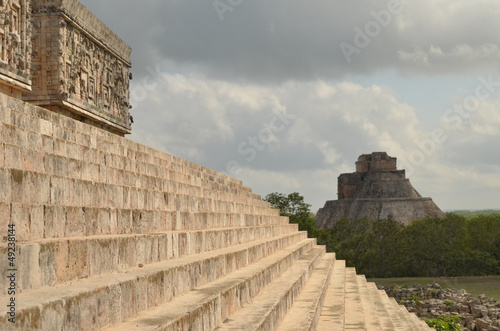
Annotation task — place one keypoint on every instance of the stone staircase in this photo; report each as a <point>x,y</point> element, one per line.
<point>115,235</point>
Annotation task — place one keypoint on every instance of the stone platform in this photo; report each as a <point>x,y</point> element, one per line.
<point>114,235</point>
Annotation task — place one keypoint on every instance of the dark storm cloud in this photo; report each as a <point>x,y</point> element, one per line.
<point>279,40</point>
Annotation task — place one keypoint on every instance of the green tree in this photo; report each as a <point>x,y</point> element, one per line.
<point>294,206</point>
<point>291,205</point>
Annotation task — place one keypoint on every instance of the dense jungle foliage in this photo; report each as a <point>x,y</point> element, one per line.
<point>432,247</point>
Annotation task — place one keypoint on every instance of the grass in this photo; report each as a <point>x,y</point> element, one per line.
<point>473,213</point>
<point>489,285</point>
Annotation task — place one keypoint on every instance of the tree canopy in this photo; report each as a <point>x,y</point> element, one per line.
<point>432,247</point>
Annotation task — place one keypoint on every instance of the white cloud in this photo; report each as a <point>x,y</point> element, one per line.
<point>224,82</point>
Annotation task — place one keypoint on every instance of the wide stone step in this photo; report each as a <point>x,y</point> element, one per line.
<point>54,261</point>
<point>354,314</point>
<point>332,317</point>
<point>29,145</point>
<point>382,313</point>
<point>205,307</point>
<point>412,321</point>
<point>372,321</point>
<point>90,304</point>
<point>36,188</point>
<point>268,308</point>
<point>36,222</point>
<point>401,319</point>
<point>304,313</point>
<point>35,151</point>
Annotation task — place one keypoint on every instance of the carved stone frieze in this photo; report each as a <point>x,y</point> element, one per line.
<point>80,67</point>
<point>15,46</point>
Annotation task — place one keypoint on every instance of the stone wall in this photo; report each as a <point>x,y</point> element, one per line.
<point>15,47</point>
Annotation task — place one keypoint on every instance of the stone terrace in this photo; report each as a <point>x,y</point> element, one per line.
<point>115,235</point>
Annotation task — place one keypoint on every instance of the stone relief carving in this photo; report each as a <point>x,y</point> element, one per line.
<point>15,32</point>
<point>77,68</point>
<point>93,74</point>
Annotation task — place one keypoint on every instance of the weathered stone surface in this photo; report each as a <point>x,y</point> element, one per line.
<point>81,69</point>
<point>15,47</point>
<point>377,190</point>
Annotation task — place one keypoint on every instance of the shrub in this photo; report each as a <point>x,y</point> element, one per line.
<point>448,302</point>
<point>445,323</point>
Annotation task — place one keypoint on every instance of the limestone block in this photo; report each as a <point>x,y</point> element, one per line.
<point>29,267</point>
<point>103,301</point>
<point>128,306</point>
<point>75,168</point>
<point>74,151</point>
<point>20,120</point>
<point>125,220</point>
<point>162,244</point>
<point>5,219</point>
<point>113,220</point>
<point>60,147</point>
<point>55,221</point>
<point>173,247</point>
<point>4,265</point>
<point>59,191</point>
<point>114,304</point>
<point>167,218</point>
<point>2,151</point>
<point>47,144</point>
<point>57,165</point>
<point>85,191</point>
<point>81,312</point>
<point>5,112</point>
<point>82,139</point>
<point>21,218</point>
<point>102,174</point>
<point>141,250</point>
<point>75,222</point>
<point>33,160</point>
<point>46,127</point>
<point>98,193</point>
<point>36,217</point>
<point>90,216</point>
<point>103,221</point>
<point>126,253</point>
<point>54,316</point>
<point>103,255</point>
<point>13,157</point>
<point>90,172</point>
<point>5,185</point>
<point>48,262</point>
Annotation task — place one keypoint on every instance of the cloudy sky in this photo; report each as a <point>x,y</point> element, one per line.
<point>286,94</point>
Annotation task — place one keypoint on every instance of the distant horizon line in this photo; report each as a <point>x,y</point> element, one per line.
<point>450,210</point>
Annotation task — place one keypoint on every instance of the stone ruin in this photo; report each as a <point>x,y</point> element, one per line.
<point>106,233</point>
<point>376,191</point>
<point>430,301</point>
<point>58,55</point>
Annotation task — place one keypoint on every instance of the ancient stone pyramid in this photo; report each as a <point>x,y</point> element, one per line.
<point>377,190</point>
